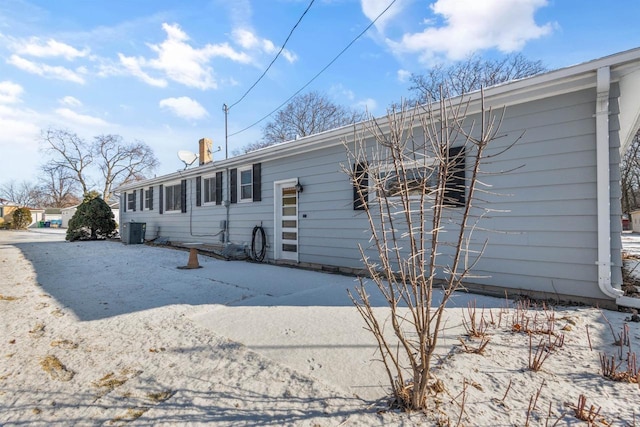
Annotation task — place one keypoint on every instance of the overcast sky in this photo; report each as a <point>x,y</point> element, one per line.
<point>160,70</point>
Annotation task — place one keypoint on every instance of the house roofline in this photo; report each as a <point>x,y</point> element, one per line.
<point>556,82</point>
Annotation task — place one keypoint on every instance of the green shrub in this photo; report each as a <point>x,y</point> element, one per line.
<point>93,220</point>
<point>21,218</point>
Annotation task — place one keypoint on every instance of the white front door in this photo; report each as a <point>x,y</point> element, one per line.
<point>286,220</point>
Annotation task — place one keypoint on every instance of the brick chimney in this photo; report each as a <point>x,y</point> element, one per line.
<point>206,155</point>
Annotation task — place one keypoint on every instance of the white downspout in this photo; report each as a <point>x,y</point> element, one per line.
<point>603,192</point>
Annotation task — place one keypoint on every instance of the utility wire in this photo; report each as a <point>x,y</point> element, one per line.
<point>320,72</point>
<point>274,59</point>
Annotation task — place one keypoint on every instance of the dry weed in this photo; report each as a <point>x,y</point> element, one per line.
<point>132,414</point>
<point>38,330</point>
<point>111,381</point>
<point>56,369</point>
<point>8,298</point>
<point>160,396</point>
<point>66,344</point>
<point>583,414</point>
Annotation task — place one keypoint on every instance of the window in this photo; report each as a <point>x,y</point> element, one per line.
<point>417,177</point>
<point>131,201</point>
<point>148,199</point>
<point>209,187</point>
<point>173,197</point>
<point>246,185</point>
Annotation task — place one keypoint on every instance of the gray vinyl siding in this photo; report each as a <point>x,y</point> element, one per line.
<point>546,238</point>
<point>542,235</point>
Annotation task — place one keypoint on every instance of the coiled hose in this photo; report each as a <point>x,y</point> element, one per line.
<point>258,244</point>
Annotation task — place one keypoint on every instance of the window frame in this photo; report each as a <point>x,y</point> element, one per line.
<point>131,201</point>
<point>426,163</point>
<point>147,199</point>
<point>240,185</point>
<point>209,181</point>
<point>175,209</point>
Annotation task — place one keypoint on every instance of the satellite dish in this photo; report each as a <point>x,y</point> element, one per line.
<point>187,157</point>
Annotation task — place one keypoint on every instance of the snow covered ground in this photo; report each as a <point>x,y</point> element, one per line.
<point>100,333</point>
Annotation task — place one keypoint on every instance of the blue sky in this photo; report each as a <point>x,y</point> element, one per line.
<point>159,71</point>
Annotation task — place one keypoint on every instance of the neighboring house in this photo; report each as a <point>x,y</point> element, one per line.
<point>556,231</point>
<point>67,213</point>
<point>37,215</point>
<point>6,211</point>
<point>52,217</point>
<point>635,221</point>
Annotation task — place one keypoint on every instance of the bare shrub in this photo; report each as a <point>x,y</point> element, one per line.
<point>422,166</point>
<point>581,412</point>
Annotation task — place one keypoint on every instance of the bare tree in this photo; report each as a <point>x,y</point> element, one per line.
<point>109,156</point>
<point>121,162</point>
<point>305,115</point>
<point>421,166</point>
<point>58,186</point>
<point>69,154</point>
<point>25,193</point>
<point>472,74</point>
<point>630,179</point>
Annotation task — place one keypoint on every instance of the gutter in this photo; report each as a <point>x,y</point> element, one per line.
<point>603,84</point>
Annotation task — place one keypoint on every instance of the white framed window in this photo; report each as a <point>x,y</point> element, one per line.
<point>173,197</point>
<point>131,201</point>
<point>417,177</point>
<point>245,187</point>
<point>147,199</point>
<point>209,190</point>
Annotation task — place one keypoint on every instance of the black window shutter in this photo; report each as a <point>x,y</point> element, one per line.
<point>454,192</point>
<point>360,186</point>
<point>257,182</point>
<point>161,199</point>
<point>150,198</point>
<point>218,188</point>
<point>134,201</point>
<point>141,199</point>
<point>198,191</point>
<point>124,202</point>
<point>233,181</point>
<point>183,195</point>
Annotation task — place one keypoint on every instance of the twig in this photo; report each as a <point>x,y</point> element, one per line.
<point>507,391</point>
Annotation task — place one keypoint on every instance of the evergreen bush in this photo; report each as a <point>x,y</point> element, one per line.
<point>93,220</point>
<point>21,218</point>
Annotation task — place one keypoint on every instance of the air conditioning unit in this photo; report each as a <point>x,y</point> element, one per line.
<point>133,233</point>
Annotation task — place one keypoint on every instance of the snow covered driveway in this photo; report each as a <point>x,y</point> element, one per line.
<point>100,333</point>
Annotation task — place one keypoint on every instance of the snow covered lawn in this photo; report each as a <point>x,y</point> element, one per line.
<point>100,333</point>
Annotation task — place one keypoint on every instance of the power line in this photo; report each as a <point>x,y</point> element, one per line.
<point>320,72</point>
<point>274,59</point>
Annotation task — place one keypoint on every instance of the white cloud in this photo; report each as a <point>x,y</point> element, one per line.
<point>184,107</point>
<point>44,70</point>
<point>339,91</point>
<point>181,62</point>
<point>81,119</point>
<point>248,40</point>
<point>403,75</point>
<point>472,25</point>
<point>369,104</point>
<point>70,101</point>
<point>134,67</point>
<point>10,92</point>
<point>373,8</point>
<point>51,48</point>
